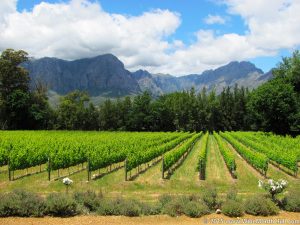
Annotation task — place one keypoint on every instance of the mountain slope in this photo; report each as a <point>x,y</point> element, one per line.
<point>102,75</point>
<point>242,73</point>
<point>105,76</point>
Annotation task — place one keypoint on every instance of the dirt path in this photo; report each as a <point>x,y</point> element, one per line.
<point>216,170</point>
<point>285,218</point>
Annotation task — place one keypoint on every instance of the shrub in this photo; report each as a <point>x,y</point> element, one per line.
<point>175,207</point>
<point>107,208</point>
<point>88,199</point>
<point>130,208</point>
<point>232,208</point>
<point>291,201</point>
<point>21,203</point>
<point>9,205</point>
<point>150,208</point>
<point>61,205</point>
<point>232,194</point>
<point>210,197</point>
<point>195,209</point>
<point>273,187</point>
<point>31,204</point>
<point>164,199</point>
<point>119,206</point>
<point>260,206</point>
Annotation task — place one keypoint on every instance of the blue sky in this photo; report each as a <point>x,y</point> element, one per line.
<point>182,31</point>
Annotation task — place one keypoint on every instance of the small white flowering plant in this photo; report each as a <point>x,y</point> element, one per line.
<point>273,187</point>
<point>67,181</point>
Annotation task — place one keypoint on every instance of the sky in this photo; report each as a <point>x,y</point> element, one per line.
<point>177,37</point>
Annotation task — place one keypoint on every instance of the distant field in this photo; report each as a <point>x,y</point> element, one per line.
<point>38,160</point>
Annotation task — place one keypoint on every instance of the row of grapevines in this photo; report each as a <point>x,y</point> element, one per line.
<point>202,156</point>
<point>130,145</point>
<point>170,158</point>
<point>65,154</point>
<point>272,151</point>
<point>256,159</point>
<point>227,154</point>
<point>139,157</point>
<point>25,149</point>
<point>5,147</point>
<point>287,144</point>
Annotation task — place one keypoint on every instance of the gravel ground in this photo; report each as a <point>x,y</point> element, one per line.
<point>282,218</point>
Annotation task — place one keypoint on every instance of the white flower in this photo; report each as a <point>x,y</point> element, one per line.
<point>67,181</point>
<point>273,188</point>
<point>260,183</point>
<point>270,181</point>
<point>283,182</point>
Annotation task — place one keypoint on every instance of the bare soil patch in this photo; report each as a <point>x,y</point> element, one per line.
<point>282,218</point>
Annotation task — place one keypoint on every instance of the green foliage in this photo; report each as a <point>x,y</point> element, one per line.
<point>72,110</point>
<point>278,154</point>
<point>210,197</point>
<point>195,209</point>
<point>164,199</point>
<point>130,208</point>
<point>232,208</point>
<point>272,106</point>
<point>120,206</point>
<point>175,207</point>
<point>172,157</point>
<point>191,206</point>
<point>154,149</point>
<point>256,159</point>
<point>202,156</point>
<point>60,205</point>
<point>88,199</point>
<point>259,205</point>
<point>288,70</point>
<point>227,154</point>
<point>21,203</point>
<point>291,201</point>
<point>140,117</point>
<point>21,107</point>
<point>232,194</point>
<point>107,208</point>
<point>14,90</point>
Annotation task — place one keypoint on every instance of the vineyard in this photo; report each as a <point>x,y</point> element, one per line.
<point>134,162</point>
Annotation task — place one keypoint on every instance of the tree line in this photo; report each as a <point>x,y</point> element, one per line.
<point>273,106</point>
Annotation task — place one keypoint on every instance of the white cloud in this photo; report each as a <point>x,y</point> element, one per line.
<point>80,28</point>
<point>6,7</point>
<point>214,19</point>
<point>272,25</point>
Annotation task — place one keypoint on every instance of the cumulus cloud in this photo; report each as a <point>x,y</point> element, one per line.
<point>272,25</point>
<point>214,19</point>
<point>81,28</point>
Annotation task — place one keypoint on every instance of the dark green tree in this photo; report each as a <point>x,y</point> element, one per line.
<point>140,117</point>
<point>42,115</point>
<point>108,116</point>
<point>14,90</point>
<point>272,107</point>
<point>72,111</point>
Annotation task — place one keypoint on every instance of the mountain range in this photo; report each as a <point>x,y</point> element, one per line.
<point>106,76</point>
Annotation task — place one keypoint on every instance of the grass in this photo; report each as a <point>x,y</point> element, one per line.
<point>149,185</point>
<point>216,171</point>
